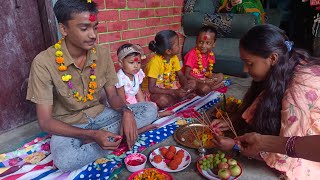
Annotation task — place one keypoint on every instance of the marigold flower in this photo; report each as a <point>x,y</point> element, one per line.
<point>211,53</point>
<point>62,68</point>
<point>59,54</point>
<point>66,77</point>
<point>93,77</point>
<point>76,94</point>
<point>211,61</point>
<point>89,97</point>
<point>59,60</point>
<point>210,68</point>
<point>57,46</point>
<point>91,91</point>
<point>93,65</point>
<point>197,51</point>
<point>84,99</point>
<point>92,85</point>
<point>79,98</point>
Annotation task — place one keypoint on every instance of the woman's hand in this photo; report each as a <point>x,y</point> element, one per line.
<point>220,125</point>
<point>223,143</point>
<point>250,144</point>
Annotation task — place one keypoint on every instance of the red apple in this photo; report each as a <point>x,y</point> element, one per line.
<point>235,170</point>
<point>223,165</point>
<point>232,162</point>
<point>224,173</point>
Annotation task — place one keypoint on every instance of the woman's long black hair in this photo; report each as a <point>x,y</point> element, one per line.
<point>262,41</point>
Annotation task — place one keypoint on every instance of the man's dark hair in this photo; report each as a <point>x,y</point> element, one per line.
<point>64,9</point>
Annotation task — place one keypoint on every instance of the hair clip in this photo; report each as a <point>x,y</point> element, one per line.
<point>289,45</point>
<point>92,17</point>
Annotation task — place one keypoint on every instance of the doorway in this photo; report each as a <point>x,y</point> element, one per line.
<point>27,28</point>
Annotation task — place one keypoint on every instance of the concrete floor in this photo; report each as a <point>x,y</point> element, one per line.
<point>252,169</point>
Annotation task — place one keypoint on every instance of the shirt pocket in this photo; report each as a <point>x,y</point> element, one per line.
<point>63,90</point>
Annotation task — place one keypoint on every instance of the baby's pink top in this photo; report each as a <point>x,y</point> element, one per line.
<point>131,88</point>
<point>300,116</point>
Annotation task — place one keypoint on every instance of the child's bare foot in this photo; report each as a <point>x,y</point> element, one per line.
<point>148,128</point>
<point>217,86</point>
<point>165,113</point>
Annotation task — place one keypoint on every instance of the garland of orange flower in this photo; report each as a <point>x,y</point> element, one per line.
<point>67,77</point>
<point>209,72</point>
<point>169,75</point>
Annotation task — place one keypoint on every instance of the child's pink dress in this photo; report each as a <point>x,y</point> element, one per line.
<point>191,60</point>
<point>300,116</point>
<point>131,88</point>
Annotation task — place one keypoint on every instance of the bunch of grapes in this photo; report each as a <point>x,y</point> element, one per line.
<point>212,161</point>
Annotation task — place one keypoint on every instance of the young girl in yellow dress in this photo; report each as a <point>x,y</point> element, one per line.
<point>165,81</point>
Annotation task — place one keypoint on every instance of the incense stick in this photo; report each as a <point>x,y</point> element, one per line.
<point>228,121</point>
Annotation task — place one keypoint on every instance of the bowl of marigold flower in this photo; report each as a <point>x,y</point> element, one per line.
<point>150,173</point>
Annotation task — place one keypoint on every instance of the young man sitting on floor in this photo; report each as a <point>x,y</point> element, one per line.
<point>65,83</point>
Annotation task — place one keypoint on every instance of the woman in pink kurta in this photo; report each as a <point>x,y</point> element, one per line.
<point>283,100</point>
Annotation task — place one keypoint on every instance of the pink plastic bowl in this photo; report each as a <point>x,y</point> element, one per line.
<point>135,162</point>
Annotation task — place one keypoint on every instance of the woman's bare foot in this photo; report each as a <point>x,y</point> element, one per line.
<point>165,113</point>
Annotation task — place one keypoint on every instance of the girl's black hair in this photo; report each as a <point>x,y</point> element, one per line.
<point>262,41</point>
<point>209,29</point>
<point>162,41</point>
<point>126,46</point>
<point>64,9</point>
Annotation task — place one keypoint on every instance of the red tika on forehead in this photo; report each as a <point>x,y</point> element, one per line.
<point>136,59</point>
<point>205,37</point>
<point>92,17</point>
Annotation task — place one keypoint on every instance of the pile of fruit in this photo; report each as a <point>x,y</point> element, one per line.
<point>172,158</point>
<point>220,165</point>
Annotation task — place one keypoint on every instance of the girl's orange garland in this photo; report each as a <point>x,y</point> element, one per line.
<point>169,75</point>
<point>209,72</point>
<point>67,77</point>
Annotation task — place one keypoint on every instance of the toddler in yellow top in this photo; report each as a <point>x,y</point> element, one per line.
<point>165,80</point>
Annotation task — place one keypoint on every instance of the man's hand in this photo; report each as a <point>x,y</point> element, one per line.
<point>102,137</point>
<point>250,144</point>
<point>223,143</point>
<point>129,128</point>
